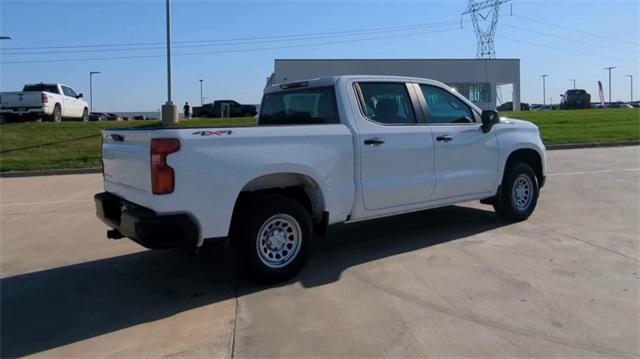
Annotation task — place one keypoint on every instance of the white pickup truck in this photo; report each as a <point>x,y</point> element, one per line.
<point>49,101</point>
<point>324,151</point>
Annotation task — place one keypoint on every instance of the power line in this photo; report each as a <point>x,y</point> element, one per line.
<point>301,36</point>
<point>557,48</point>
<point>564,49</point>
<point>568,38</point>
<point>575,30</point>
<point>230,51</point>
<point>252,42</point>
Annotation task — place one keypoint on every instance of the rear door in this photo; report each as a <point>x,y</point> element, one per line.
<point>397,154</point>
<point>466,158</point>
<point>126,159</point>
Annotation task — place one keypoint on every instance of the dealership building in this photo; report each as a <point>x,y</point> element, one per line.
<point>476,79</point>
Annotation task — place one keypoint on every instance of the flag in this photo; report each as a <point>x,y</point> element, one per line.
<point>601,93</point>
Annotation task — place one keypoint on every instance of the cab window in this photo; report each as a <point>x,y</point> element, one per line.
<point>68,91</point>
<point>386,103</point>
<point>444,107</point>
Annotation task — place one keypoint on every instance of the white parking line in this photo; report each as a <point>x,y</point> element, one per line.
<point>43,203</point>
<point>593,172</point>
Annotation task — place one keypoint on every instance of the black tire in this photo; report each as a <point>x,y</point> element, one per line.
<point>253,249</point>
<point>85,115</point>
<point>517,204</point>
<point>56,116</point>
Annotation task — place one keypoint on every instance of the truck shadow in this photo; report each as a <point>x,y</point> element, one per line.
<point>55,307</point>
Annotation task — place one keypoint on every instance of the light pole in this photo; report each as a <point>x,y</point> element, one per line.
<point>91,89</point>
<point>574,83</point>
<point>631,88</point>
<point>544,88</point>
<point>201,98</point>
<point>169,110</point>
<point>610,68</point>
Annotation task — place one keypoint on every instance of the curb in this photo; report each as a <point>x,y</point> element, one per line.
<point>571,146</point>
<point>77,171</point>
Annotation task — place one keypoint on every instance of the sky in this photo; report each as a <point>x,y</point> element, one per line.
<point>565,39</point>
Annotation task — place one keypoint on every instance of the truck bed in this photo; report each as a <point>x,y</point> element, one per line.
<point>214,165</point>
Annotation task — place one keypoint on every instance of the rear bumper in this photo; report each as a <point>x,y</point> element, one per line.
<point>32,112</point>
<point>144,226</point>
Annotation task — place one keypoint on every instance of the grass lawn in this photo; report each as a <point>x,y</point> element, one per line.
<point>584,126</point>
<point>46,145</point>
<point>40,146</point>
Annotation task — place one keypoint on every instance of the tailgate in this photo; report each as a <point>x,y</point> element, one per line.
<point>22,99</point>
<point>126,158</point>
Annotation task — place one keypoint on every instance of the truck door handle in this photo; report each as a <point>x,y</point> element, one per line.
<point>444,138</point>
<point>373,142</point>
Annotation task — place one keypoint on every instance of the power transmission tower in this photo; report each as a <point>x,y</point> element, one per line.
<point>482,12</point>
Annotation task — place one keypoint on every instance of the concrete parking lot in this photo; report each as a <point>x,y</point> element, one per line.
<point>448,282</point>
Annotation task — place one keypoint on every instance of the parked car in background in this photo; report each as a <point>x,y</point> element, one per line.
<point>225,108</point>
<point>575,99</point>
<point>508,106</point>
<point>619,105</point>
<point>325,151</point>
<point>97,116</point>
<point>542,108</point>
<point>43,101</point>
<point>113,117</point>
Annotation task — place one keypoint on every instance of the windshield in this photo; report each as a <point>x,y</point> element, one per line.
<point>299,107</point>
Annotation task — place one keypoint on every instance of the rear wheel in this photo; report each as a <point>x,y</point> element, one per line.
<point>56,116</point>
<point>518,193</point>
<point>272,236</point>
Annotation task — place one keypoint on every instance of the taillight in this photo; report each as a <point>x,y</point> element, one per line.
<point>162,175</point>
<point>45,98</point>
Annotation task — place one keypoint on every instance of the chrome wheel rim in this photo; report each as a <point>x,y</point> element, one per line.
<point>57,115</point>
<point>522,192</point>
<point>278,241</point>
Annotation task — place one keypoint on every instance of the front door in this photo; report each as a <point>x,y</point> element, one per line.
<point>397,154</point>
<point>466,158</point>
<point>71,103</point>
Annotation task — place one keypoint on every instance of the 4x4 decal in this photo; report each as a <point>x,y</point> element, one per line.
<point>213,133</point>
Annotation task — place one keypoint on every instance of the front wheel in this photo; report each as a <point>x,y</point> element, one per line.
<point>85,115</point>
<point>518,193</point>
<point>272,236</point>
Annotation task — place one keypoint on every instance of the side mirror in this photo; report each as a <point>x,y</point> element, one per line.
<point>489,118</point>
<point>79,96</point>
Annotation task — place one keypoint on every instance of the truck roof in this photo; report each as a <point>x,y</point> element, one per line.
<point>46,83</point>
<point>332,80</point>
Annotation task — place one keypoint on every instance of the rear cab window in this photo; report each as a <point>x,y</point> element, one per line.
<point>307,106</point>
<point>40,87</point>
